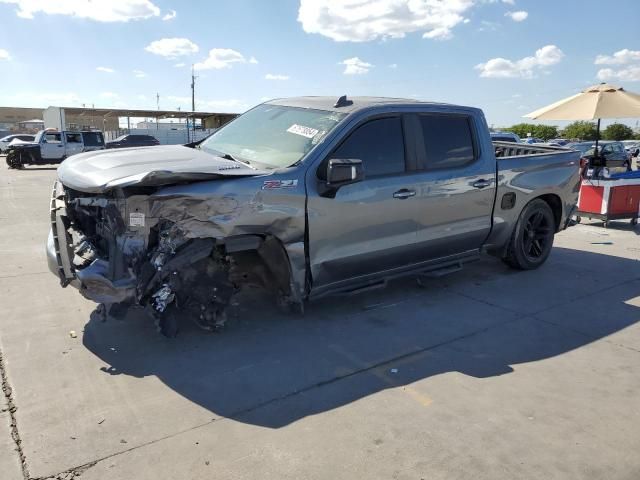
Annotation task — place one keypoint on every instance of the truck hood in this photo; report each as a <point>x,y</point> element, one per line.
<point>17,141</point>
<point>103,170</point>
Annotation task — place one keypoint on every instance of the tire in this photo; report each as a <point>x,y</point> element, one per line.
<point>578,219</point>
<point>634,221</point>
<point>532,237</point>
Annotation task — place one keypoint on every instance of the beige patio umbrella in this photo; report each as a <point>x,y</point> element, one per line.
<point>596,102</point>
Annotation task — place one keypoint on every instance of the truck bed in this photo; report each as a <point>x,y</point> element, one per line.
<point>527,172</point>
<point>511,149</point>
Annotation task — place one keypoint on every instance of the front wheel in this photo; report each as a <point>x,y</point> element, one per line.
<point>14,160</point>
<point>532,237</point>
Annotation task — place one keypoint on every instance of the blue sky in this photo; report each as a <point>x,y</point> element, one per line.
<point>486,53</point>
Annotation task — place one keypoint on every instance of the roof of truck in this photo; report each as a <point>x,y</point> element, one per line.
<point>356,103</point>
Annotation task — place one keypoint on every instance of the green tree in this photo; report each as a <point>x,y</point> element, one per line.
<point>545,132</point>
<point>580,129</point>
<point>617,131</point>
<point>521,129</point>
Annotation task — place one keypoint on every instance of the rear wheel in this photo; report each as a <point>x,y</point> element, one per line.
<point>532,237</point>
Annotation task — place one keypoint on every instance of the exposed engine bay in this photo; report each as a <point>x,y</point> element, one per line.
<point>120,250</point>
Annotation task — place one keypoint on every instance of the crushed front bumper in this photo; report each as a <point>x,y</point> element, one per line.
<point>59,252</point>
<point>92,280</point>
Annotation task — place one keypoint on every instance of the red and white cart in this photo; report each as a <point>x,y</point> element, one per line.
<point>610,199</point>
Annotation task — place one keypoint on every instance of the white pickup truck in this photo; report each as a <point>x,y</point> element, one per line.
<point>53,146</point>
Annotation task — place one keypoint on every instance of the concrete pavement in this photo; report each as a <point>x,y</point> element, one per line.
<point>484,374</point>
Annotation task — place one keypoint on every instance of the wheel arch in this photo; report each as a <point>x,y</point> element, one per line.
<point>262,260</point>
<point>555,203</point>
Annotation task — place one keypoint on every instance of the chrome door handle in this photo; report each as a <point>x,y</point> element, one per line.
<point>404,193</point>
<point>481,183</point>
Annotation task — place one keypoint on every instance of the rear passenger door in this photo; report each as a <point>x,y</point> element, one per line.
<point>73,143</point>
<point>454,184</point>
<point>368,227</point>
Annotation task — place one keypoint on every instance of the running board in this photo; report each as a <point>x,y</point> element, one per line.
<point>441,272</point>
<point>365,288</point>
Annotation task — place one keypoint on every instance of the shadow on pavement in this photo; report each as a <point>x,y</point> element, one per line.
<point>361,345</point>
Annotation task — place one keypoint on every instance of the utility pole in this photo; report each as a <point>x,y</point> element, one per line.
<point>193,102</point>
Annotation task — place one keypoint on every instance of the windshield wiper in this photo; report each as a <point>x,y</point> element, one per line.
<point>228,156</point>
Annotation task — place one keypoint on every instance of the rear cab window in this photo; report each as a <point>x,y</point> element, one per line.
<point>93,139</point>
<point>448,140</point>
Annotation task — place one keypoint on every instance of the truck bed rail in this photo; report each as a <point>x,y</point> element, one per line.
<point>510,149</point>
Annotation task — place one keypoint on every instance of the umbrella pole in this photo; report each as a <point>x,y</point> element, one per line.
<point>597,138</point>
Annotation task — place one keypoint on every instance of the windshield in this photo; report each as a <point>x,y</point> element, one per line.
<point>272,135</point>
<point>581,147</point>
<point>39,136</point>
<point>120,138</point>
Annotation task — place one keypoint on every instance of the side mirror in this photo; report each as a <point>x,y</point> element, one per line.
<point>341,171</point>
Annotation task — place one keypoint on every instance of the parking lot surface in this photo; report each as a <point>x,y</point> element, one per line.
<point>484,374</point>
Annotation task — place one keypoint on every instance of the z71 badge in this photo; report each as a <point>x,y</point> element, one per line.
<point>275,184</point>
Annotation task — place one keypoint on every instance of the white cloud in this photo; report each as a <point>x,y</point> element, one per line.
<point>105,69</point>
<point>172,47</point>
<point>139,74</point>
<point>4,55</point>
<point>110,95</point>
<point>253,60</point>
<point>393,65</point>
<point>621,57</point>
<point>222,58</point>
<point>360,21</point>
<point>170,16</point>
<point>101,11</point>
<point>524,68</point>
<point>274,76</point>
<point>179,65</point>
<point>627,74</point>
<point>630,73</point>
<point>355,66</point>
<point>487,26</point>
<point>509,2</point>
<point>518,16</point>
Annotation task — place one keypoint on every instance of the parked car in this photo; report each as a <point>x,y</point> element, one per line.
<point>505,137</point>
<point>51,146</point>
<point>560,141</point>
<point>131,140</point>
<point>614,153</point>
<point>6,141</point>
<point>532,140</point>
<point>304,197</point>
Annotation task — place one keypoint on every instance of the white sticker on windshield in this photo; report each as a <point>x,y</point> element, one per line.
<point>303,131</point>
<point>136,219</point>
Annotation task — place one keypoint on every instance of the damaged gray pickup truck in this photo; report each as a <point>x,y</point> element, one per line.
<point>305,197</point>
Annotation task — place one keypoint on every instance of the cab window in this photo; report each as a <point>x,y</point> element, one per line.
<point>52,137</point>
<point>448,140</point>
<point>379,144</point>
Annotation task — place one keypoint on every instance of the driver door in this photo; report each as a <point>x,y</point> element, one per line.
<point>51,146</point>
<point>368,227</point>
